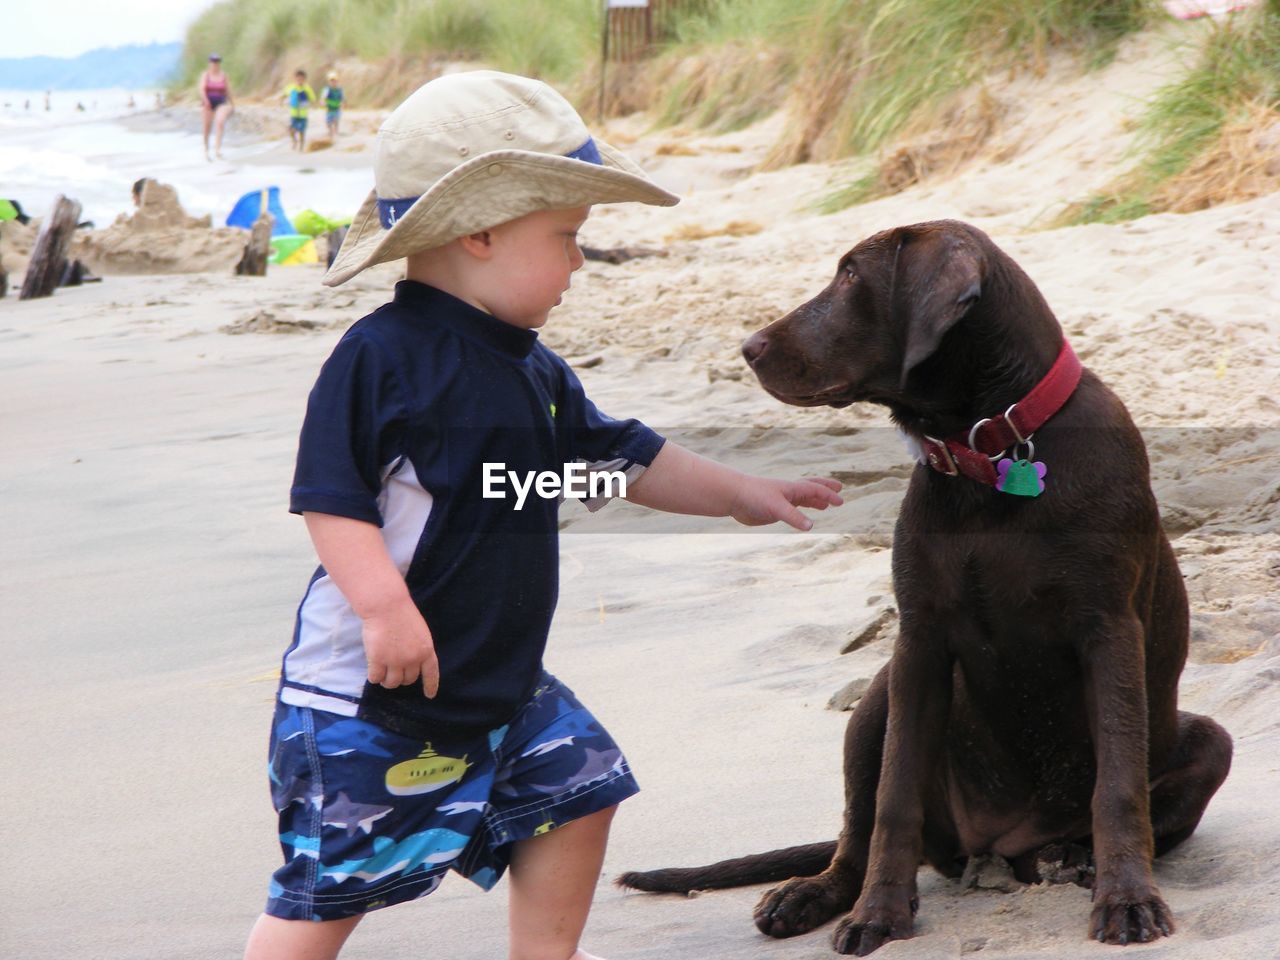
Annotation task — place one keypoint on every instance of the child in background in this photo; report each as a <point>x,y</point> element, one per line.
<point>333,98</point>
<point>299,97</point>
<point>416,730</point>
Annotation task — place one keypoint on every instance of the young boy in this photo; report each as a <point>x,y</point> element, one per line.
<point>416,730</point>
<point>333,98</point>
<point>299,97</point>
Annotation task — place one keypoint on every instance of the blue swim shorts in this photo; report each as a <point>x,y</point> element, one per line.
<point>298,123</point>
<point>369,818</point>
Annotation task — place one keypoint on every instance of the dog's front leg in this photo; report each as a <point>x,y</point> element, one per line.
<point>1126,905</point>
<point>919,704</point>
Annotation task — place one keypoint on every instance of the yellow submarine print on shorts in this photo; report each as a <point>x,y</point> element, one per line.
<point>427,772</point>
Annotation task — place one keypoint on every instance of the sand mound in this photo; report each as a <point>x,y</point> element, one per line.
<point>160,237</point>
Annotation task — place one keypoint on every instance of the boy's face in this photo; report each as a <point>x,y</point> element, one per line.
<point>533,259</point>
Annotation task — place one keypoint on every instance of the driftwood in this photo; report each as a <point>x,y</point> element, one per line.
<point>4,279</point>
<point>258,249</point>
<point>335,238</point>
<point>49,256</point>
<point>76,273</point>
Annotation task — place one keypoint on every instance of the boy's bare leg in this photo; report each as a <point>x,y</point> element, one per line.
<point>276,939</point>
<point>553,880</point>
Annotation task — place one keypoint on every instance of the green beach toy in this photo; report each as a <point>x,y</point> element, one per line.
<point>313,224</point>
<point>288,249</point>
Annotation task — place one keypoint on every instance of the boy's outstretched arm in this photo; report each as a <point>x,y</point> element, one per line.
<point>397,641</point>
<point>681,481</point>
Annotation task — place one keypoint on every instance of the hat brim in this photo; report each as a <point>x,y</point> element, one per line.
<point>486,191</point>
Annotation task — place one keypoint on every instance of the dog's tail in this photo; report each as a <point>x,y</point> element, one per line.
<point>802,861</point>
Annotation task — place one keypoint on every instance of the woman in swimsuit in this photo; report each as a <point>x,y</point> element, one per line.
<point>215,94</point>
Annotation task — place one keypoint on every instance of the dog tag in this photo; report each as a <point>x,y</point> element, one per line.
<point>1022,478</point>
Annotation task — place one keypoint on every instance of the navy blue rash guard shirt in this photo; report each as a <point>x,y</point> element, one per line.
<point>413,401</point>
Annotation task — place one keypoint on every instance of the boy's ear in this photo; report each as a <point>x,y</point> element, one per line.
<point>479,245</point>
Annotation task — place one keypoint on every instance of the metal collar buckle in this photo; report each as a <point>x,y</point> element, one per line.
<point>940,458</point>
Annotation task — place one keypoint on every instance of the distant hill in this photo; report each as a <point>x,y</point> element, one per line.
<point>132,67</point>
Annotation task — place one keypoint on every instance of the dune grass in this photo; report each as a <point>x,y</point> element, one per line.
<point>862,67</point>
<point>263,41</point>
<point>853,74</point>
<point>856,72</point>
<point>1234,87</point>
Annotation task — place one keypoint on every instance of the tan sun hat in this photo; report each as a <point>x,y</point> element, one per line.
<point>469,151</point>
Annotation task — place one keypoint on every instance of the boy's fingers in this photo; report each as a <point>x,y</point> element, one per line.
<point>409,674</point>
<point>797,519</point>
<point>430,677</point>
<point>377,671</point>
<point>829,482</point>
<point>394,678</point>
<point>827,491</point>
<point>826,498</point>
<point>818,494</point>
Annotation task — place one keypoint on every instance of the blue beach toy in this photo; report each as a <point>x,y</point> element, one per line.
<point>249,207</point>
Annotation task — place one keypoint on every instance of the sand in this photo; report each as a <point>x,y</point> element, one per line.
<point>152,570</point>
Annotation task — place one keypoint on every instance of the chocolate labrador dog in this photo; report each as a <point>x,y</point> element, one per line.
<point>1030,707</point>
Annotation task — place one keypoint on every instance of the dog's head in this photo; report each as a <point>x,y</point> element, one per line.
<point>893,299</point>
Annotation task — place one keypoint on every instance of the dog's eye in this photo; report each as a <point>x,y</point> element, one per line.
<point>850,272</point>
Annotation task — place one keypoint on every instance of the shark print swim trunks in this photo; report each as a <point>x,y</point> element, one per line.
<point>369,818</point>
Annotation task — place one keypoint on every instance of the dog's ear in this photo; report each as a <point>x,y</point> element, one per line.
<point>937,278</point>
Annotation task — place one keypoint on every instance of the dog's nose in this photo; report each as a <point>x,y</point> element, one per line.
<point>753,347</point>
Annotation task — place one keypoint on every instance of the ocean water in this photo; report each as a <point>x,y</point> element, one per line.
<point>90,154</point>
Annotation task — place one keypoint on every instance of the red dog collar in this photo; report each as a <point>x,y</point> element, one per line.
<point>974,454</point>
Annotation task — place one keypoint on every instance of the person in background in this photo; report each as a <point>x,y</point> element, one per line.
<point>215,95</point>
<point>333,98</point>
<point>299,96</point>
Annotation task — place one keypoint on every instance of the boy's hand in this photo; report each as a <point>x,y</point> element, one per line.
<point>760,500</point>
<point>397,641</point>
<point>400,650</point>
<point>680,481</point>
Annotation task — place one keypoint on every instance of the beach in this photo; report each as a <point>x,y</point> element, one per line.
<point>153,571</point>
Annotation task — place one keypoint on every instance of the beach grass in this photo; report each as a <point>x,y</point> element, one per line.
<point>882,69</point>
<point>721,63</point>
<point>856,73</point>
<point>1197,140</point>
<point>263,41</point>
<point>855,76</point>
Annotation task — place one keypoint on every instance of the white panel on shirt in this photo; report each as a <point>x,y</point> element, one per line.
<point>330,651</point>
<point>631,470</point>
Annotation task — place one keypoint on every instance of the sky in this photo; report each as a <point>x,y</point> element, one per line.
<point>65,28</point>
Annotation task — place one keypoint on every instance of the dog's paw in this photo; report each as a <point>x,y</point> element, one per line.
<point>874,922</point>
<point>860,937</point>
<point>801,905</point>
<point>1121,919</point>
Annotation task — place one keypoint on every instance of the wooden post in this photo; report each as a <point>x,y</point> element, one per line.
<point>49,256</point>
<point>258,249</point>
<point>4,280</point>
<point>334,240</point>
